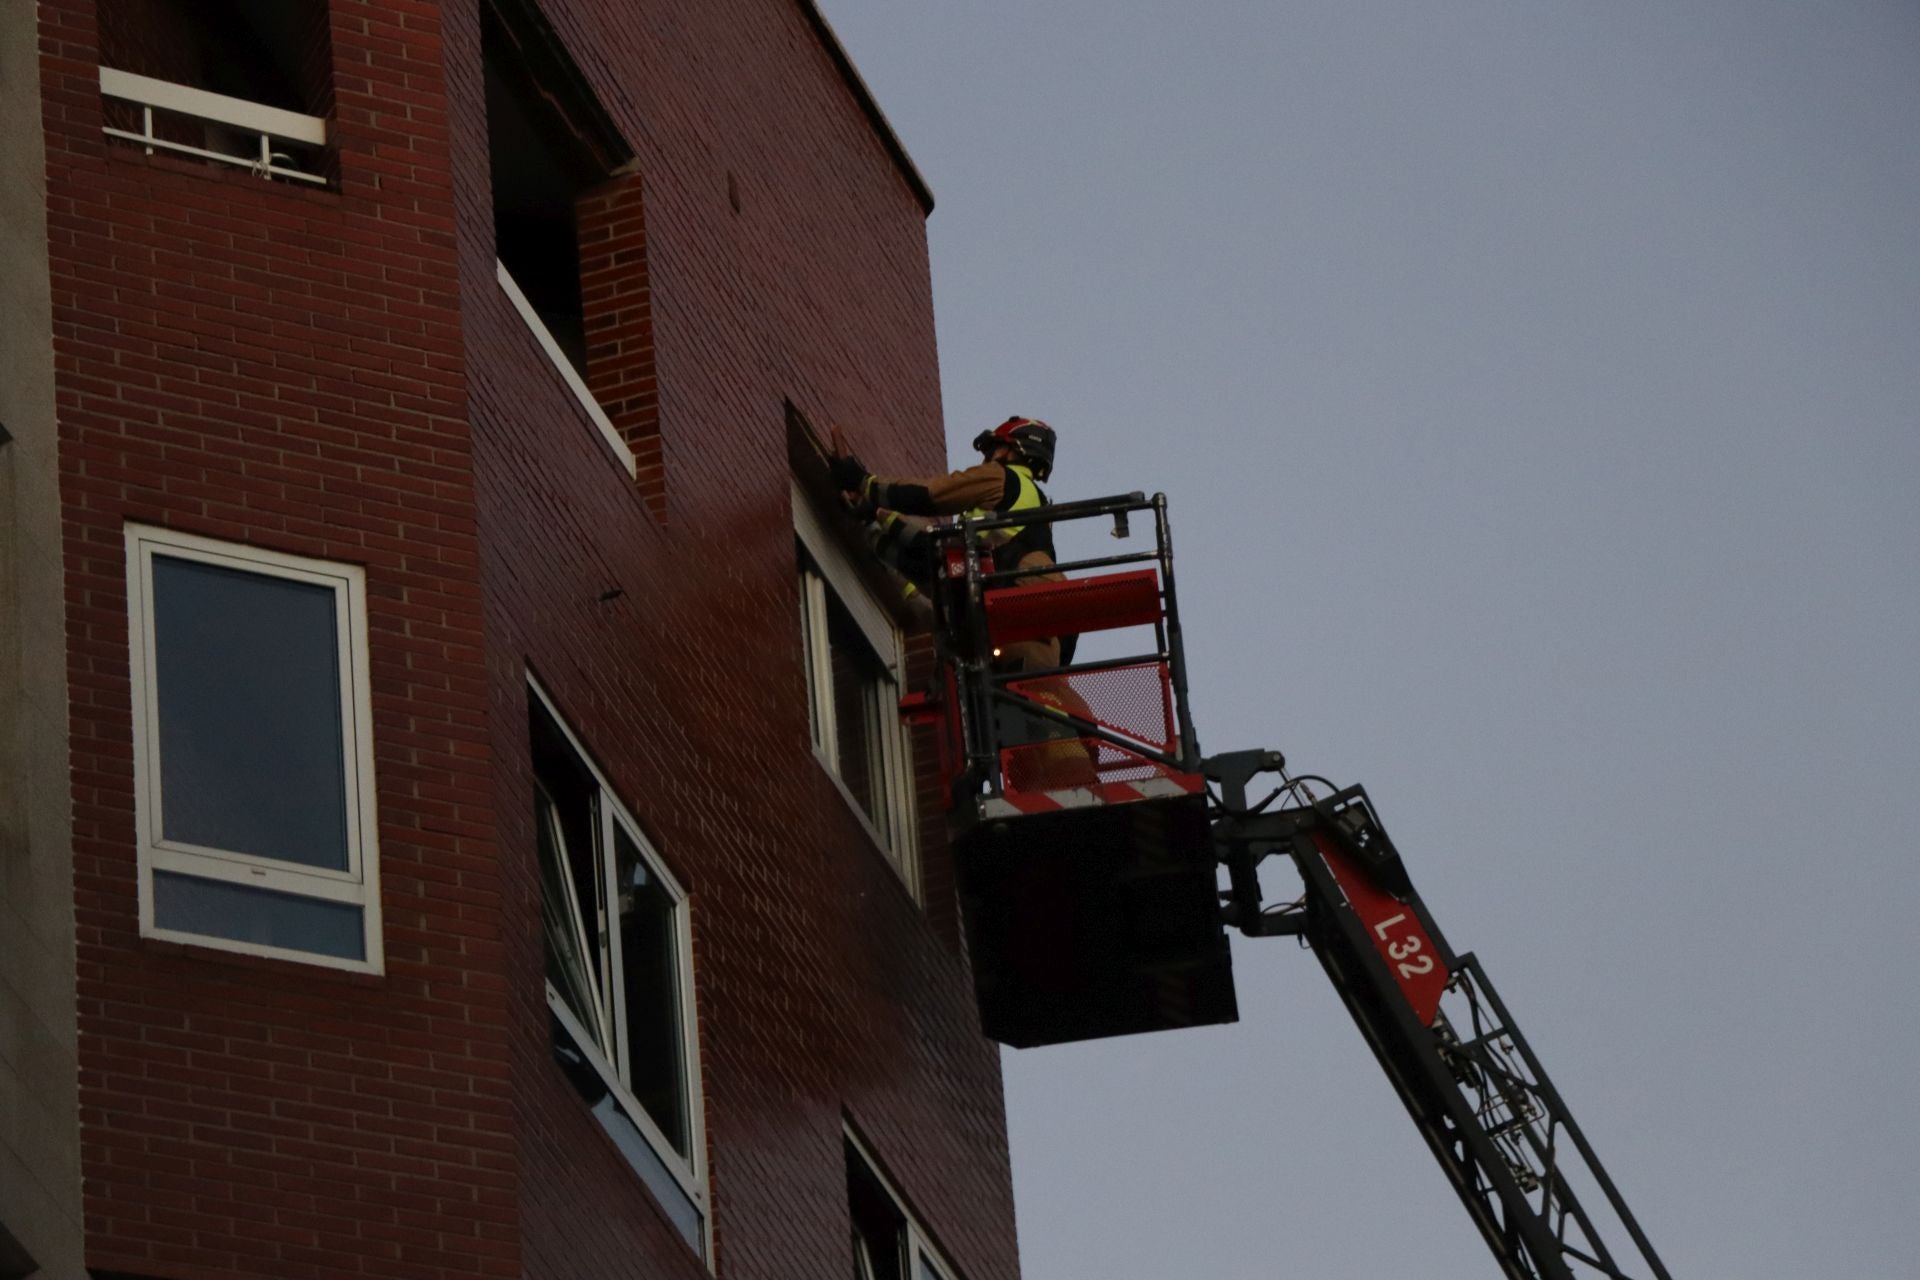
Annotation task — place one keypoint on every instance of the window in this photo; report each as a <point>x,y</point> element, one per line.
<point>854,671</point>
<point>888,1244</point>
<point>538,173</point>
<point>253,750</point>
<point>569,233</point>
<point>245,84</point>
<point>619,971</point>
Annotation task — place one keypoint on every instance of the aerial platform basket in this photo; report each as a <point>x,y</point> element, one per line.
<point>1095,921</point>
<point>1082,844</point>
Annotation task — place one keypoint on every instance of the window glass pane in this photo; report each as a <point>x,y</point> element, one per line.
<point>879,1228</point>
<point>252,750</point>
<point>574,793</point>
<point>649,958</point>
<point>812,598</point>
<point>570,944</point>
<point>569,816</point>
<point>857,675</point>
<point>216,909</point>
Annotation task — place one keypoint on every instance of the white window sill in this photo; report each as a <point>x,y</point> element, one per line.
<point>568,374</point>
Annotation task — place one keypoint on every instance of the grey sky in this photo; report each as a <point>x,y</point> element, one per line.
<point>1536,389</point>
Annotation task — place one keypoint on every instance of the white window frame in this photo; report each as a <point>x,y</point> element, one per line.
<point>919,1246</point>
<point>568,374</point>
<point>359,884</point>
<point>689,1172</point>
<point>827,569</point>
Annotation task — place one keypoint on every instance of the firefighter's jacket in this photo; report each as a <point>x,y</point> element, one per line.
<point>991,488</point>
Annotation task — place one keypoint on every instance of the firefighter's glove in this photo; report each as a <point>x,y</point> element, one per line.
<point>848,472</point>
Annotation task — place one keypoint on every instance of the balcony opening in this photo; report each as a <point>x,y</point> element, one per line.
<point>247,84</point>
<point>543,161</point>
<point>537,239</point>
<point>570,233</point>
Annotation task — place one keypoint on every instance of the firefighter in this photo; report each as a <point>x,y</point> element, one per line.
<point>1017,455</point>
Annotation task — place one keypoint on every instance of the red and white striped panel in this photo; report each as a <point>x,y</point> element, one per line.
<point>1166,786</point>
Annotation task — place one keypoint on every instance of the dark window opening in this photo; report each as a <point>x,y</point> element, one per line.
<point>879,1228</point>
<point>272,53</point>
<point>546,146</point>
<point>535,234</point>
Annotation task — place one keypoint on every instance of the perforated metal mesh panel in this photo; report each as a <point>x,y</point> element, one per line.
<point>1135,701</point>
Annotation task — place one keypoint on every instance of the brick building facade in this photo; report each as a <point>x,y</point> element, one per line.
<point>489,847</point>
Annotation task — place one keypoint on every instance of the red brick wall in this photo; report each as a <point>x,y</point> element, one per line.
<point>617,308</point>
<point>278,366</point>
<point>204,44</point>
<point>337,374</point>
<point>824,993</point>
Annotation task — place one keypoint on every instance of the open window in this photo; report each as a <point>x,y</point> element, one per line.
<point>888,1244</point>
<point>569,231</point>
<point>236,82</point>
<point>540,169</point>
<point>619,972</point>
<point>253,750</point>
<point>855,669</point>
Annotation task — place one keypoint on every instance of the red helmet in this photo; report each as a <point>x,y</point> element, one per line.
<point>1031,438</point>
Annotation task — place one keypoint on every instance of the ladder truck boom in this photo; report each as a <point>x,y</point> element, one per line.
<point>1499,1129</point>
<point>1090,841</point>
